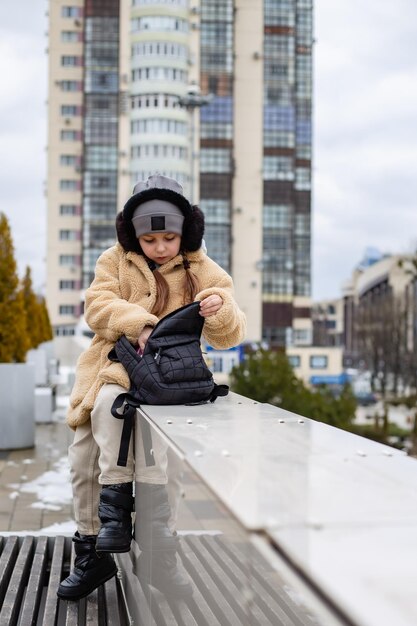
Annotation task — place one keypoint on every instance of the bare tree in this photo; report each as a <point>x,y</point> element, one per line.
<point>381,338</point>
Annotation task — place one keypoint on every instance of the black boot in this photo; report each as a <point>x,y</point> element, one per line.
<point>115,513</point>
<point>90,569</point>
<point>158,564</point>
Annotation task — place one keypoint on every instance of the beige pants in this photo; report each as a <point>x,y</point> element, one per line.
<point>93,460</point>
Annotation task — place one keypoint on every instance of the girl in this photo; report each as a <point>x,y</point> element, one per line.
<point>156,267</point>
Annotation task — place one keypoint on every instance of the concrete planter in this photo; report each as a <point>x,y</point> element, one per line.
<point>43,404</point>
<point>17,406</point>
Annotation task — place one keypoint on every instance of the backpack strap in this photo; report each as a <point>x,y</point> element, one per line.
<point>130,404</point>
<point>218,391</point>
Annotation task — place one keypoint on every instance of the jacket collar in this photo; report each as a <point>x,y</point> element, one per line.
<point>140,261</point>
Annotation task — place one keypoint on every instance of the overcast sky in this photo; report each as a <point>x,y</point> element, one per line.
<point>365,133</point>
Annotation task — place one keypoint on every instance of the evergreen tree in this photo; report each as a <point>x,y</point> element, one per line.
<point>46,327</point>
<point>14,341</point>
<point>33,311</point>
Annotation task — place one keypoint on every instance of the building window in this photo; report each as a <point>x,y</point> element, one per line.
<point>71,36</point>
<point>214,130</point>
<point>277,216</point>
<point>68,235</point>
<point>302,225</point>
<point>159,22</point>
<point>215,160</point>
<point>160,73</point>
<point>71,11</point>
<point>216,211</point>
<point>182,3</point>
<point>302,336</point>
<point>68,209</point>
<point>160,49</point>
<point>67,159</point>
<point>294,360</point>
<point>278,168</point>
<point>71,85</point>
<point>64,331</point>
<point>70,60</point>
<point>275,335</point>
<point>68,259</point>
<point>318,362</point>
<point>158,126</point>
<point>69,185</point>
<point>70,110</point>
<point>67,309</point>
<point>303,178</point>
<point>159,151</point>
<point>278,139</point>
<point>70,135</point>
<point>67,285</point>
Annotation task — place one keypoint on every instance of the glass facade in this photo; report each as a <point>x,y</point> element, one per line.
<point>216,129</point>
<point>287,161</point>
<point>101,111</point>
<point>159,76</point>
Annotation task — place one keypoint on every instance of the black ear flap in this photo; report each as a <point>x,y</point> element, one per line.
<point>193,230</point>
<point>126,235</point>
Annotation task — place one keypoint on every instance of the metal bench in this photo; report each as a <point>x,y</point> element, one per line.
<point>32,567</point>
<point>30,571</point>
<point>218,571</point>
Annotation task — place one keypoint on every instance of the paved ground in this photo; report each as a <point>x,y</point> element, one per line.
<point>35,490</point>
<point>36,497</point>
<point>34,482</point>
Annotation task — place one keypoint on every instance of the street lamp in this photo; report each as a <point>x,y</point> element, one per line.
<point>192,101</point>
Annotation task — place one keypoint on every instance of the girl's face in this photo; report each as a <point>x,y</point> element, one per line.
<point>160,247</point>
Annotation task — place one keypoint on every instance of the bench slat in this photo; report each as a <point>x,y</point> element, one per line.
<point>36,583</point>
<point>273,600</point>
<point>52,600</point>
<point>72,607</point>
<point>243,565</point>
<point>91,612</point>
<point>207,578</point>
<point>12,601</point>
<point>183,614</point>
<point>200,608</point>
<point>7,563</point>
<point>112,602</point>
<point>240,583</point>
<point>134,589</point>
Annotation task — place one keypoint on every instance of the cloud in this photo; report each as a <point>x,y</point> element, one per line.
<point>23,132</point>
<point>365,149</point>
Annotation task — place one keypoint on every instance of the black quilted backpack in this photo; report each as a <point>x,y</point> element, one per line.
<point>171,370</point>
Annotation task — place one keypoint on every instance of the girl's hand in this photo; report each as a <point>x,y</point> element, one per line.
<point>144,336</point>
<point>210,305</point>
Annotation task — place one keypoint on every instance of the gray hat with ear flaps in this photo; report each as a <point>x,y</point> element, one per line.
<point>157,187</point>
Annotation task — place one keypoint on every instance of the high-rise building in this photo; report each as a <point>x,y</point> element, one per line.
<point>131,73</point>
<point>87,146</point>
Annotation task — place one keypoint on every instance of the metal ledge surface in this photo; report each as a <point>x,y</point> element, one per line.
<point>341,508</point>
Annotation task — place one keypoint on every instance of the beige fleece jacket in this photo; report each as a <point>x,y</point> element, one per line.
<point>118,303</point>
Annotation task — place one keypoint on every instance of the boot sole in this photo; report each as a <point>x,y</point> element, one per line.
<point>109,547</point>
<point>74,597</point>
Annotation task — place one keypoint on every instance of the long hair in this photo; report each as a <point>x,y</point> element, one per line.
<point>190,285</point>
